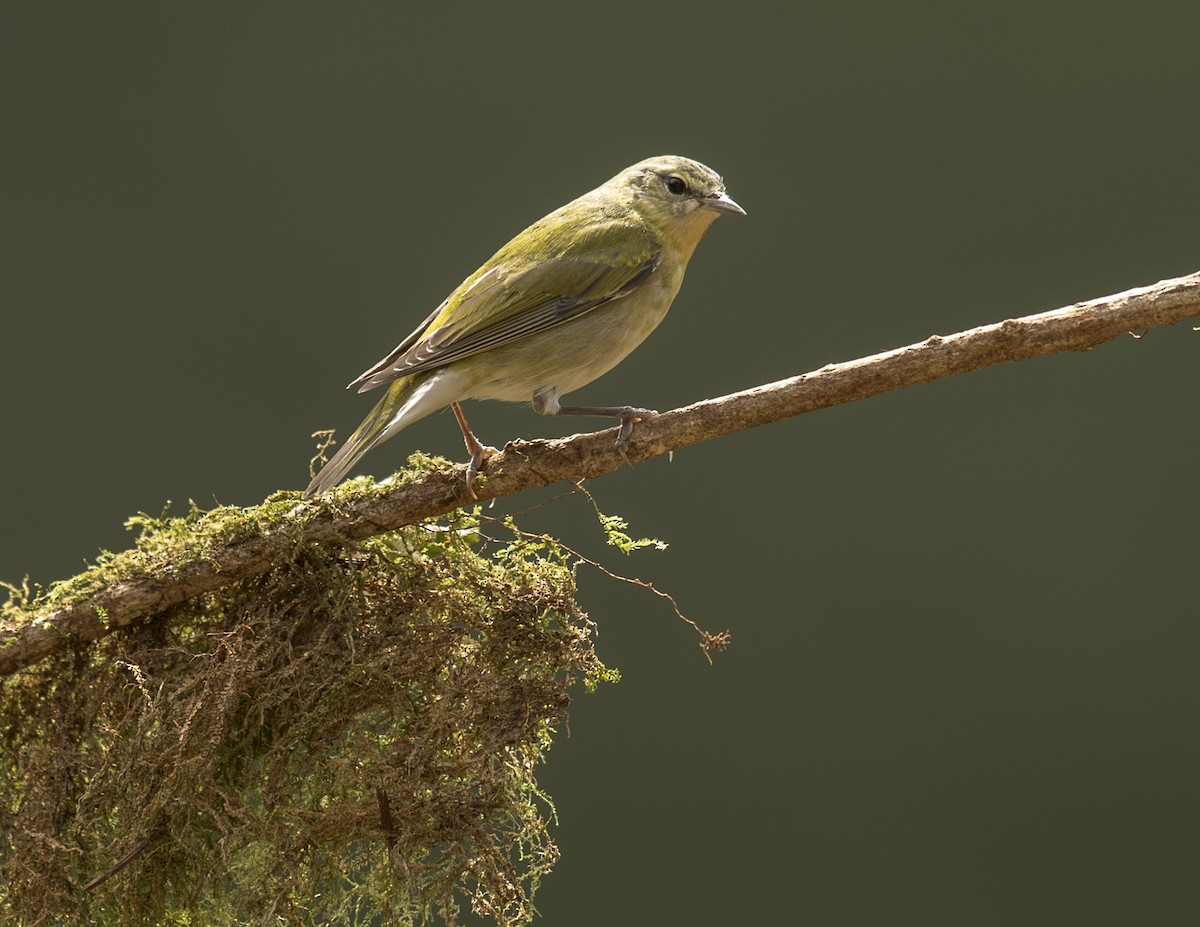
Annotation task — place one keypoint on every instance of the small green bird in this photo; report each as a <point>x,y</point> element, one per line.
<point>559,305</point>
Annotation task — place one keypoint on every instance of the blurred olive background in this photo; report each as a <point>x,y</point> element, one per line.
<point>963,683</point>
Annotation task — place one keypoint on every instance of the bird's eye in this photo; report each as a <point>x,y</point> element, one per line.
<point>676,185</point>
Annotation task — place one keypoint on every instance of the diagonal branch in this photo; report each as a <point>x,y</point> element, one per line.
<point>354,513</point>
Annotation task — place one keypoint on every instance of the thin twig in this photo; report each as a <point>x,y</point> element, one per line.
<point>120,864</point>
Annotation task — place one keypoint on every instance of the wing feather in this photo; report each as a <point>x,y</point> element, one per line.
<point>516,294</point>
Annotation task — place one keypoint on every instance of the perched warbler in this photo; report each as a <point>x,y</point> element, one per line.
<point>559,305</point>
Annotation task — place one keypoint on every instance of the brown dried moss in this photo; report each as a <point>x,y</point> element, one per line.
<point>352,735</point>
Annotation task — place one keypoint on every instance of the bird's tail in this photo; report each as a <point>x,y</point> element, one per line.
<point>402,404</point>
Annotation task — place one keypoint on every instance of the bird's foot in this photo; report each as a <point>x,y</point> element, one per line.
<point>477,449</point>
<point>630,417</point>
<point>479,454</point>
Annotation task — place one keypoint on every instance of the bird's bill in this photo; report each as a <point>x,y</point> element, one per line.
<point>722,203</point>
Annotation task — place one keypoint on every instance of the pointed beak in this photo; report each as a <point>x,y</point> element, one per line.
<point>722,203</point>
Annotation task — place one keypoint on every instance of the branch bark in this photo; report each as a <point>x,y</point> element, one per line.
<point>526,464</point>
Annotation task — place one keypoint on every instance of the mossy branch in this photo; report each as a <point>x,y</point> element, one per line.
<point>350,737</point>
<point>101,601</point>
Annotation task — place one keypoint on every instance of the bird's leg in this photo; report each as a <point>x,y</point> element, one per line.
<point>545,402</point>
<point>479,452</point>
<point>628,415</point>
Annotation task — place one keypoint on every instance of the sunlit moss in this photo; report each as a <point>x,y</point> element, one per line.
<point>352,735</point>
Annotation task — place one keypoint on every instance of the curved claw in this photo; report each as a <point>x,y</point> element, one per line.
<point>629,418</point>
<point>478,456</point>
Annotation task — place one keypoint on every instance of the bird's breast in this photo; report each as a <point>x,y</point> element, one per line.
<point>576,352</point>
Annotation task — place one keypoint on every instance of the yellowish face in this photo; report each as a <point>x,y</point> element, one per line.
<point>678,196</point>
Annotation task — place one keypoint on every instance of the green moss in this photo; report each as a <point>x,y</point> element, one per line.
<point>353,735</point>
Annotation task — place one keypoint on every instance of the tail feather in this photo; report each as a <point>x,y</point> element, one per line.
<point>401,405</point>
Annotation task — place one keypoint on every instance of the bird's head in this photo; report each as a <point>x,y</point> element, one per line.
<point>678,196</point>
